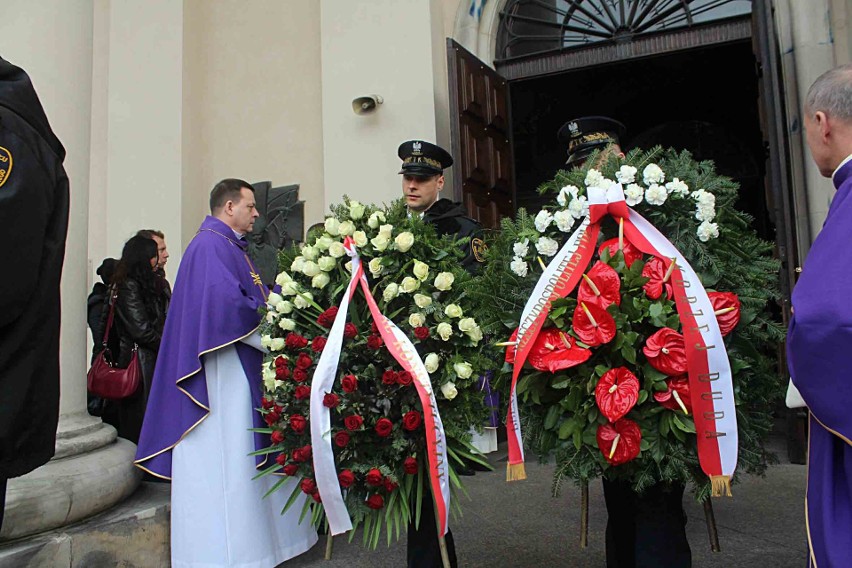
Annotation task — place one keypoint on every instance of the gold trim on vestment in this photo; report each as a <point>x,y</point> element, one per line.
<point>807,488</point>
<point>838,434</point>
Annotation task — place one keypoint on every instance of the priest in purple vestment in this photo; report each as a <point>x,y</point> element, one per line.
<point>819,342</point>
<point>205,390</point>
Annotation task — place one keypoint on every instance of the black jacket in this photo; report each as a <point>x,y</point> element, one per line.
<point>451,219</point>
<point>33,225</point>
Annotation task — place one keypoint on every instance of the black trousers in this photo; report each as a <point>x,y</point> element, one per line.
<point>647,530</point>
<point>423,548</point>
<point>2,499</point>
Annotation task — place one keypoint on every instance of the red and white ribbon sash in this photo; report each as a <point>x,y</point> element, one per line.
<point>711,388</point>
<point>406,355</point>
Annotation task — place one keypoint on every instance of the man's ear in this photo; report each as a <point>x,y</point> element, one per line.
<point>822,122</point>
<point>440,182</point>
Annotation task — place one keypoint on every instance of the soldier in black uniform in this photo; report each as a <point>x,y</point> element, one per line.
<point>648,529</point>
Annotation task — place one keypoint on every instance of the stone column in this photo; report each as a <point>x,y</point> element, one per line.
<point>91,470</point>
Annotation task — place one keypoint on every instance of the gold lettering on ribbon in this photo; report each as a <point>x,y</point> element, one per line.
<point>705,327</point>
<point>714,434</point>
<point>708,377</point>
<point>712,395</point>
<point>715,415</point>
<point>700,348</point>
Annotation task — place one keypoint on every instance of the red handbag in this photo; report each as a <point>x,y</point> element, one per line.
<point>106,380</point>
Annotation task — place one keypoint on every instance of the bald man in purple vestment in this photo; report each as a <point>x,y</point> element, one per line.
<point>202,404</point>
<point>819,342</point>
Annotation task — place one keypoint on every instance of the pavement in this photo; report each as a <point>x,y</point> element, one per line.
<point>520,524</point>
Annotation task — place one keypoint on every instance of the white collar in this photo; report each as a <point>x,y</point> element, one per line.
<point>843,163</point>
<point>238,235</point>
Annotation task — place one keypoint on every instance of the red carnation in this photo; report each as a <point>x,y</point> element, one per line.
<point>308,485</point>
<point>300,376</point>
<point>619,442</point>
<point>304,361</point>
<point>421,332</point>
<point>593,325</point>
<point>303,454</point>
<point>404,378</point>
<point>375,342</point>
<point>389,377</point>
<point>726,305</point>
<point>290,469</point>
<point>281,459</point>
<point>302,392</point>
<point>318,344</point>
<point>390,485</point>
<point>631,253</point>
<point>350,331</point>
<point>374,477</point>
<point>326,319</point>
<point>298,423</point>
<point>510,349</point>
<point>383,427</point>
<point>678,389</point>
<point>656,269</point>
<point>295,341</point>
<point>266,403</point>
<point>555,350</point>
<point>410,465</point>
<point>375,502</point>
<point>346,478</point>
<point>277,437</point>
<point>601,286</point>
<point>616,393</point>
<point>330,400</point>
<point>353,422</point>
<point>666,352</point>
<point>350,383</point>
<point>281,373</point>
<point>341,439</point>
<point>272,417</point>
<point>411,420</point>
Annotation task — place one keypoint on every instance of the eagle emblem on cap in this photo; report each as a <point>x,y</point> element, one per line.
<point>573,127</point>
<point>416,147</point>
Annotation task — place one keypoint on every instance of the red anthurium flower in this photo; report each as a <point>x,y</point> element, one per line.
<point>617,392</point>
<point>555,350</point>
<point>593,324</point>
<point>727,308</point>
<point>677,397</point>
<point>619,442</point>
<point>510,349</point>
<point>631,253</point>
<point>601,286</point>
<point>666,352</point>
<point>657,270</point>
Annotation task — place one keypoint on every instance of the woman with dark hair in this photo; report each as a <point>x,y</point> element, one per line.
<point>140,314</point>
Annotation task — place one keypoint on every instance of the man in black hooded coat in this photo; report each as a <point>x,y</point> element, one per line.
<point>34,222</point>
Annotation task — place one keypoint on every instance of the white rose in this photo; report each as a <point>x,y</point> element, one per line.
<point>453,311</point>
<point>656,195</point>
<point>464,370</point>
<point>309,252</point>
<point>521,248</point>
<point>320,281</point>
<point>421,270</point>
<point>445,330</point>
<point>284,277</point>
<point>332,226</point>
<point>273,299</point>
<point>633,194</point>
<point>449,390</point>
<point>391,292</point>
<point>284,307</point>
<point>310,268</point>
<point>707,231</point>
<point>287,324</point>
<point>303,300</point>
<point>356,210</point>
<point>475,334</point>
<point>336,249</point>
<point>422,301</point>
<point>432,361</point>
<point>265,341</point>
<point>416,319</point>
<point>326,263</point>
<point>297,265</point>
<point>404,241</point>
<point>594,178</point>
<point>409,284</point>
<point>564,221</point>
<point>376,219</point>
<point>652,174</point>
<point>270,316</point>
<point>380,242</point>
<point>375,266</point>
<point>519,266</point>
<point>677,186</point>
<point>444,281</point>
<point>543,220</point>
<point>546,246</point>
<point>626,174</point>
<point>360,238</point>
<point>289,288</point>
<point>386,231</point>
<point>467,324</point>
<point>578,207</point>
<point>566,194</point>
<point>322,244</point>
<point>276,344</point>
<point>705,213</point>
<point>346,228</point>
